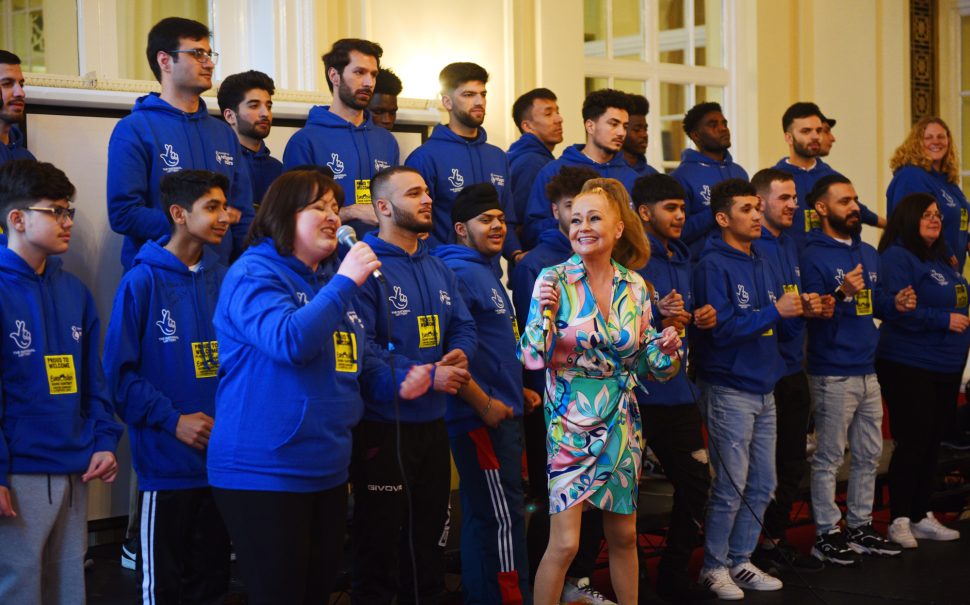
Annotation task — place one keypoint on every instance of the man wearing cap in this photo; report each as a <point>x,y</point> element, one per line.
<point>485,417</point>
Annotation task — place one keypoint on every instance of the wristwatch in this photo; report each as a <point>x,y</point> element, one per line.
<point>840,294</point>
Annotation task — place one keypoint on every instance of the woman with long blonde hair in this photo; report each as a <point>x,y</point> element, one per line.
<point>927,162</point>
<point>590,327</point>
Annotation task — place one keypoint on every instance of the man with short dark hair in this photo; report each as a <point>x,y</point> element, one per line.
<point>458,155</point>
<point>342,136</point>
<point>701,169</point>
<point>635,144</point>
<point>606,116</point>
<point>172,131</point>
<point>246,103</point>
<point>383,104</point>
<point>828,139</point>
<point>13,102</point>
<point>536,114</point>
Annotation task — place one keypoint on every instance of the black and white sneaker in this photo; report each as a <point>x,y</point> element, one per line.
<point>832,548</point>
<point>866,541</point>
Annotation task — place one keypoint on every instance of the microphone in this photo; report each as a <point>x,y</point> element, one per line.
<point>551,279</point>
<point>347,237</point>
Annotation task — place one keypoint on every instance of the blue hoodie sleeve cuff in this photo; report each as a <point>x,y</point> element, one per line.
<point>171,423</point>
<point>106,443</point>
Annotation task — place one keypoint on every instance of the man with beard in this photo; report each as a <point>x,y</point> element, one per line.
<point>536,114</point>
<point>701,170</point>
<point>383,105</point>
<point>841,371</point>
<point>246,103</point>
<point>606,116</point>
<point>172,131</point>
<point>416,313</point>
<point>635,144</point>
<point>804,127</point>
<point>457,154</point>
<point>13,98</point>
<point>343,136</point>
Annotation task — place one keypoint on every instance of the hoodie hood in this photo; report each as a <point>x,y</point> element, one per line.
<point>527,144</point>
<point>153,102</point>
<point>574,155</point>
<point>692,156</point>
<point>459,253</point>
<point>154,254</point>
<point>320,115</point>
<point>443,134</point>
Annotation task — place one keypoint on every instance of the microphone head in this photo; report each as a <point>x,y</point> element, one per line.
<point>346,236</point>
<point>549,278</point>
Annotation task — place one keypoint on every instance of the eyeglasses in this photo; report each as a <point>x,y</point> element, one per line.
<point>931,215</point>
<point>198,54</point>
<point>60,213</point>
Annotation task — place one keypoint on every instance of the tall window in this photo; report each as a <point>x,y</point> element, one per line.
<point>22,32</point>
<point>671,51</point>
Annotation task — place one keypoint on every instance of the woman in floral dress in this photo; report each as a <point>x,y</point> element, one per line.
<point>598,346</point>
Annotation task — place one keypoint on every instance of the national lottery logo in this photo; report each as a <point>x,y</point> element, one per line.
<point>498,301</point>
<point>444,297</point>
<point>742,296</point>
<point>170,158</point>
<point>76,333</point>
<point>167,326</point>
<point>949,199</point>
<point>772,297</point>
<point>457,180</point>
<point>22,338</point>
<point>706,194</point>
<point>839,276</point>
<point>939,277</point>
<point>336,166</point>
<point>399,302</point>
<point>302,298</point>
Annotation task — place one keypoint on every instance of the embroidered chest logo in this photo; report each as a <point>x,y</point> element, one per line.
<point>706,194</point>
<point>76,333</point>
<point>171,159</point>
<point>939,277</point>
<point>399,301</point>
<point>167,326</point>
<point>336,166</point>
<point>839,276</point>
<point>225,158</point>
<point>354,319</point>
<point>742,296</point>
<point>498,180</point>
<point>444,297</point>
<point>498,301</point>
<point>873,277</point>
<point>457,180</point>
<point>380,165</point>
<point>302,298</point>
<point>949,199</point>
<point>22,338</point>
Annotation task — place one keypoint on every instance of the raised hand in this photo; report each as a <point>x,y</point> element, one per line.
<point>789,305</point>
<point>360,263</point>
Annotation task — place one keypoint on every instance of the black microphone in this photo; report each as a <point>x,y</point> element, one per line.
<point>347,237</point>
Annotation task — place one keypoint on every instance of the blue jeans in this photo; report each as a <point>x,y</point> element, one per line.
<point>742,432</point>
<point>846,408</point>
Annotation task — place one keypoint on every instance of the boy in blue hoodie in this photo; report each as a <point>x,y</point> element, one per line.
<point>342,136</point>
<point>246,103</point>
<point>635,143</point>
<point>169,132</point>
<point>536,115</point>
<point>701,169</point>
<point>415,311</point>
<point>606,117</point>
<point>162,360</point>
<point>841,371</point>
<point>57,427</point>
<point>457,154</point>
<point>12,105</point>
<point>737,368</point>
<point>485,418</point>
<point>671,419</point>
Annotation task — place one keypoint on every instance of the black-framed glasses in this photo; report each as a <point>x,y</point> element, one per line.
<point>199,54</point>
<point>60,213</point>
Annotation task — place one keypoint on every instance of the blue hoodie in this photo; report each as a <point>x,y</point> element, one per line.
<point>15,150</point>
<point>294,363</point>
<point>698,174</point>
<point>354,153</point>
<point>526,156</point>
<point>922,337</point>
<point>494,367</point>
<point>263,170</point>
<point>741,352</point>
<point>844,345</point>
<point>950,199</point>
<point>666,272</point>
<point>641,167</point>
<point>161,359</point>
<point>157,139</point>
<point>448,163</point>
<point>428,318</point>
<point>782,254</point>
<point>804,182</point>
<point>55,408</point>
<point>538,216</point>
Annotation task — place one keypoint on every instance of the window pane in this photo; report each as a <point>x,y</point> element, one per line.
<point>26,27</point>
<point>672,35</point>
<point>673,101</point>
<point>596,84</point>
<point>631,86</point>
<point>672,56</point>
<point>594,27</point>
<point>699,11</point>
<point>627,35</point>
<point>671,14</point>
<point>709,94</point>
<point>137,17</point>
<point>708,43</point>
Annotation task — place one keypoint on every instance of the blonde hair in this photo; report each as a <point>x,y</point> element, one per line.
<point>911,153</point>
<point>632,250</point>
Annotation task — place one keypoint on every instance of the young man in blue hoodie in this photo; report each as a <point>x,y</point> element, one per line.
<point>457,154</point>
<point>414,312</point>
<point>671,419</point>
<point>246,103</point>
<point>485,418</point>
<point>536,114</point>
<point>701,169</point>
<point>13,102</point>
<point>162,360</point>
<point>383,103</point>
<point>737,367</point>
<point>171,131</point>
<point>343,136</point>
<point>635,143</point>
<point>841,371</point>
<point>57,427</point>
<point>606,117</point>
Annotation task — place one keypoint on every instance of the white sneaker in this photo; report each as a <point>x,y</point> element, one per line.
<point>719,582</point>
<point>900,533</point>
<point>747,575</point>
<point>581,593</point>
<point>931,529</point>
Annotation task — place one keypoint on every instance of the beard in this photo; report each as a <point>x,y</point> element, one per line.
<point>248,129</point>
<point>803,151</point>
<point>466,119</point>
<point>409,222</point>
<point>841,225</point>
<point>349,96</point>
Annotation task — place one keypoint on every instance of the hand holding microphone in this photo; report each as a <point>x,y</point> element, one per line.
<point>360,262</point>
<point>669,341</point>
<point>548,300</point>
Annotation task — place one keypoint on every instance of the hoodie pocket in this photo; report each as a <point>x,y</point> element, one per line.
<point>316,432</point>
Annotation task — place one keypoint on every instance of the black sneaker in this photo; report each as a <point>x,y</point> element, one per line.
<point>866,541</point>
<point>832,548</point>
<point>129,552</point>
<point>782,557</point>
<point>959,440</point>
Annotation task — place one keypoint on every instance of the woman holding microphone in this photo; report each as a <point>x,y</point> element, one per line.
<point>294,359</point>
<point>920,361</point>
<point>597,344</point>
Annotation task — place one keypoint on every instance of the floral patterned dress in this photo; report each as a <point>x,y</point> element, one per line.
<point>592,365</point>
